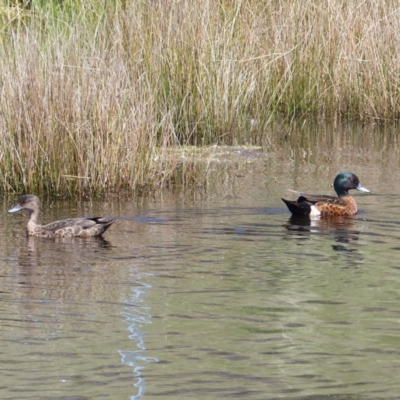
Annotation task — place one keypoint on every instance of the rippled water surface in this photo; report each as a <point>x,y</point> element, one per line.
<point>215,296</point>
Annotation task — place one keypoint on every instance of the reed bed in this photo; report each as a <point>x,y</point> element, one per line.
<point>96,95</point>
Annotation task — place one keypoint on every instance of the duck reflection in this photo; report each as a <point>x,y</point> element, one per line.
<point>29,255</point>
<point>341,228</point>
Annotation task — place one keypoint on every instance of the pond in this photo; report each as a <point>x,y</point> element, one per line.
<point>217,294</point>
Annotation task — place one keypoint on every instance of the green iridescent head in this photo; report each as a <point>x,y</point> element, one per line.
<point>346,181</point>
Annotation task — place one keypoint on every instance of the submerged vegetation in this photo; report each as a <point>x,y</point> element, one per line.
<point>97,94</point>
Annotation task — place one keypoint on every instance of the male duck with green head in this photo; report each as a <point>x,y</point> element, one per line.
<point>343,205</point>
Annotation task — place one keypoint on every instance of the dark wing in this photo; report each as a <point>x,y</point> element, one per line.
<point>316,198</point>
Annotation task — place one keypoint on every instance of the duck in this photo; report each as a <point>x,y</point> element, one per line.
<point>82,227</point>
<point>322,205</point>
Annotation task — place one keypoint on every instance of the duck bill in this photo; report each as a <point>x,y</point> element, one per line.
<point>361,188</point>
<point>15,209</point>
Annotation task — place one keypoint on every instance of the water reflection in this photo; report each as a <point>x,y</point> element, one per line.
<point>31,254</point>
<point>136,317</point>
<point>341,229</point>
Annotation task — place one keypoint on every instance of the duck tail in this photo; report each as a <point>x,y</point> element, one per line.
<point>303,208</point>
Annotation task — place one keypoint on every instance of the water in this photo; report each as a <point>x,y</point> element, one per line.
<point>212,296</point>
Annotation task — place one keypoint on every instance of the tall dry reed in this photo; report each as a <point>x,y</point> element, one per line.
<point>95,94</point>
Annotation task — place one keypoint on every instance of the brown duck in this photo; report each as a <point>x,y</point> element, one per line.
<point>83,227</point>
<point>343,205</point>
